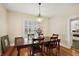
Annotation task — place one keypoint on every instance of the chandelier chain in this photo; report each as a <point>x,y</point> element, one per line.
<point>39,9</point>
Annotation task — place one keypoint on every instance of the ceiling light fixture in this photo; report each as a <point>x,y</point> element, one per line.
<point>39,16</point>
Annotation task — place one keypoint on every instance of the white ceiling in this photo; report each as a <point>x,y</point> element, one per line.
<point>47,9</point>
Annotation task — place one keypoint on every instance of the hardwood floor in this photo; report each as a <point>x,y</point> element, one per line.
<point>63,52</point>
<point>68,52</point>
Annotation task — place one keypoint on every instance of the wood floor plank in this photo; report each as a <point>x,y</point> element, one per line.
<point>63,52</point>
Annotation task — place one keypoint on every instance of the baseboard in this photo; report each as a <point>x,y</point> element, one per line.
<point>65,46</point>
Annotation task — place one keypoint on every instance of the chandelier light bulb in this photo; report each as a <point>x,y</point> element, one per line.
<point>40,19</point>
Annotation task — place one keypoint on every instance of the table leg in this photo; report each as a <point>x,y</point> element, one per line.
<point>18,51</point>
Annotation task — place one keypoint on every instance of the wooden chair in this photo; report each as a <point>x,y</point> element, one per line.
<point>5,46</point>
<point>54,47</point>
<point>19,40</point>
<point>54,37</point>
<point>41,35</point>
<point>23,51</point>
<point>37,48</point>
<point>30,36</point>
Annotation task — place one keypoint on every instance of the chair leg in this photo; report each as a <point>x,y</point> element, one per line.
<point>58,52</point>
<point>49,52</point>
<point>18,52</point>
<point>30,51</point>
<point>45,50</point>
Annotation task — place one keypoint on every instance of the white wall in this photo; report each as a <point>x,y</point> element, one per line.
<point>3,22</point>
<point>59,24</point>
<point>16,23</point>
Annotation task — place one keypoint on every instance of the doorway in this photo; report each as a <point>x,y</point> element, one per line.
<point>74,33</point>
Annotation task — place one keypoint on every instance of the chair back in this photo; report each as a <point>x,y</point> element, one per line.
<point>5,43</point>
<point>41,35</point>
<point>54,43</point>
<point>19,40</point>
<point>54,37</point>
<point>38,46</point>
<point>30,36</point>
<point>38,40</point>
<point>55,46</point>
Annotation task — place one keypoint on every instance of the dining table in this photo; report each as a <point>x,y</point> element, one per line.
<point>28,43</point>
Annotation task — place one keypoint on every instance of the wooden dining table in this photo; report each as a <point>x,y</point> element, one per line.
<point>28,43</point>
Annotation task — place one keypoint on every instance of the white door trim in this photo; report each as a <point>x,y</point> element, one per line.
<point>69,30</point>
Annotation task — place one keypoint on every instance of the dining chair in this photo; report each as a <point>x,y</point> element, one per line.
<point>30,36</point>
<point>41,35</point>
<point>53,47</point>
<point>37,48</point>
<point>19,40</point>
<point>5,46</point>
<point>54,37</point>
<point>23,51</point>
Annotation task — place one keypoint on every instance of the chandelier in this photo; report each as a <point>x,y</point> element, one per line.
<point>39,16</point>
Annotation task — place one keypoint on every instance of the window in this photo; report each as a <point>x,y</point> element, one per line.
<point>30,27</point>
